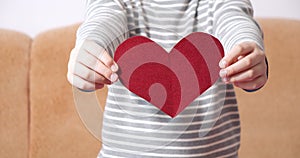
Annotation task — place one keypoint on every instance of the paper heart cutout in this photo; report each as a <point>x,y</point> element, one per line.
<point>169,81</point>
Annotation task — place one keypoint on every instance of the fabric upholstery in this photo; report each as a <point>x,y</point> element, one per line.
<point>14,101</point>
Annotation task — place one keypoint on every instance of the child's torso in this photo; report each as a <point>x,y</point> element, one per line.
<point>132,127</point>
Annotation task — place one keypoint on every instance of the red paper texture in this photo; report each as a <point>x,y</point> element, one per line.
<point>169,81</point>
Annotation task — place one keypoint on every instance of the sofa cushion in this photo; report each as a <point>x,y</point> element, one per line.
<point>56,128</point>
<point>14,63</point>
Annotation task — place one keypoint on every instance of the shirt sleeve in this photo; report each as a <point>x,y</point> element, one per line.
<point>105,23</point>
<point>234,23</point>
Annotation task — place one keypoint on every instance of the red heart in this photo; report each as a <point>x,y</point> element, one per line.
<point>170,81</point>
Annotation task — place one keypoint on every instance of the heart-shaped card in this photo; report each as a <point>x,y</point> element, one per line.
<point>169,81</point>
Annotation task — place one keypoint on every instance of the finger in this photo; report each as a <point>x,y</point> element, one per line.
<point>73,54</point>
<point>247,75</point>
<point>243,64</point>
<point>239,50</point>
<point>94,64</point>
<point>90,75</point>
<point>82,84</point>
<point>102,55</point>
<point>106,72</point>
<point>254,84</point>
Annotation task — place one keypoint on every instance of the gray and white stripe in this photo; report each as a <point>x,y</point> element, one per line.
<point>132,127</point>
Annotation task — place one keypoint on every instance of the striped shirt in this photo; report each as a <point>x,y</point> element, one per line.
<point>132,127</point>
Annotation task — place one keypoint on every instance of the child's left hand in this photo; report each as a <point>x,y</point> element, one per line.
<point>245,66</point>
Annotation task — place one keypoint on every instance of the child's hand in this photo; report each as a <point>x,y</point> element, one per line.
<point>90,67</point>
<point>244,66</point>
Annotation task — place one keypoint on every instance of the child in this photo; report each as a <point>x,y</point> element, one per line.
<point>132,127</point>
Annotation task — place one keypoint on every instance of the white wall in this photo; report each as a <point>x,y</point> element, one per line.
<point>277,8</point>
<point>34,16</point>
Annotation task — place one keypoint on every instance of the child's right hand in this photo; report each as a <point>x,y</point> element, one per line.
<point>90,67</point>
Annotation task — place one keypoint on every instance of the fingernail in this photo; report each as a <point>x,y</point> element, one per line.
<point>114,68</point>
<point>222,64</point>
<point>223,73</point>
<point>113,77</point>
<point>226,80</point>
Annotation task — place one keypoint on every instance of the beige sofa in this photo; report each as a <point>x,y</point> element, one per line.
<point>38,118</point>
